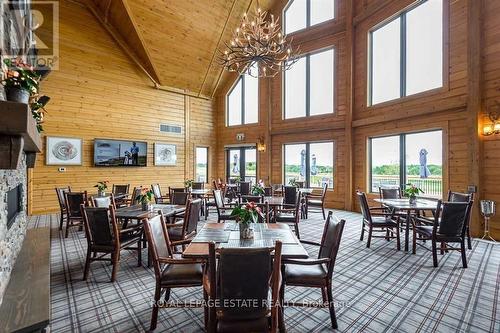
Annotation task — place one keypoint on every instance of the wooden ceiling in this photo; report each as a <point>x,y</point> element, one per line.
<point>175,41</point>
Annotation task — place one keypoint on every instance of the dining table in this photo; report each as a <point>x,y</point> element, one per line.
<point>135,212</point>
<point>403,205</point>
<point>200,192</point>
<point>227,235</point>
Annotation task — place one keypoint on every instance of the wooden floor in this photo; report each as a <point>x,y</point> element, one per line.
<point>376,290</point>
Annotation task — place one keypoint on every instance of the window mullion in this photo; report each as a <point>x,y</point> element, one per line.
<point>308,85</point>
<point>402,160</point>
<point>242,99</point>
<point>403,55</point>
<point>308,166</point>
<point>308,13</point>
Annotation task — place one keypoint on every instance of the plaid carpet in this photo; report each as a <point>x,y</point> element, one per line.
<point>376,290</point>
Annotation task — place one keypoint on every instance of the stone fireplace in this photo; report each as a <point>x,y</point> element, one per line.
<point>13,218</point>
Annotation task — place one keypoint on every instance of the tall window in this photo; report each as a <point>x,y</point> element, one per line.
<point>201,164</point>
<point>309,85</point>
<point>301,14</point>
<point>415,158</point>
<point>310,162</point>
<point>243,102</point>
<point>406,53</point>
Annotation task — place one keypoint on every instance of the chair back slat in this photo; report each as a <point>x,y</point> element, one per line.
<point>121,189</point>
<point>330,242</point>
<point>235,266</point>
<point>135,193</point>
<point>245,188</point>
<point>179,198</point>
<point>73,202</point>
<point>157,193</point>
<point>365,209</point>
<point>454,216</point>
<point>192,216</point>
<point>61,197</point>
<point>158,240</point>
<point>98,226</point>
<point>459,197</point>
<point>219,201</point>
<point>389,192</point>
<point>323,191</point>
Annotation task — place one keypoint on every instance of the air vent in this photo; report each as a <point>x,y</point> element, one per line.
<point>170,129</point>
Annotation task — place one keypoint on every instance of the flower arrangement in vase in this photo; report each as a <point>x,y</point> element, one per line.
<point>102,186</point>
<point>145,198</point>
<point>258,189</point>
<point>188,183</point>
<point>245,215</point>
<point>411,191</point>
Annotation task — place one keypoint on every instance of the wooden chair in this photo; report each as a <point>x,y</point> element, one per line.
<point>277,190</point>
<point>105,238</point>
<point>377,222</point>
<point>290,214</point>
<point>250,198</point>
<point>103,202</point>
<point>132,201</point>
<point>463,197</point>
<point>245,188</point>
<point>179,198</point>
<point>121,193</point>
<point>450,226</point>
<point>179,232</point>
<point>170,272</point>
<point>73,202</point>
<point>317,202</point>
<point>223,212</point>
<point>300,184</point>
<point>210,201</point>
<point>289,195</point>
<point>198,186</point>
<point>61,198</point>
<point>317,273</point>
<point>225,286</point>
<point>159,198</point>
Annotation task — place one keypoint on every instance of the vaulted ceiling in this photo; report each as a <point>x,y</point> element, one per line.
<point>175,41</point>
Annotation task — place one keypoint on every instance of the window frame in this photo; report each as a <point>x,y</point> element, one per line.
<point>308,16</point>
<point>242,79</point>
<point>308,85</point>
<point>402,156</point>
<point>308,161</point>
<point>242,150</point>
<point>196,161</point>
<point>402,65</point>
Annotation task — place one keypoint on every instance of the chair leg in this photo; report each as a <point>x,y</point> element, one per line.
<point>398,239</point>
<point>464,253</point>
<point>469,243</point>
<point>87,265</point>
<point>114,260</point>
<point>61,221</point>
<point>331,306</point>
<point>323,211</point>
<point>414,241</point>
<point>139,253</point>
<point>362,231</point>
<point>297,230</point>
<point>434,254</point>
<point>369,237</point>
<point>324,296</point>
<point>67,229</point>
<point>154,315</point>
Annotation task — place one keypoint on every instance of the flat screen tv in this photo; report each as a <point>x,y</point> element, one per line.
<point>120,153</point>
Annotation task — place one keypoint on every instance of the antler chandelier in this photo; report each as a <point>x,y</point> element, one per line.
<point>258,48</point>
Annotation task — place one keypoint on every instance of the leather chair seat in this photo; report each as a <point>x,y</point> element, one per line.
<point>426,230</point>
<point>305,274</point>
<point>175,233</point>
<point>284,217</point>
<point>382,221</point>
<point>181,274</point>
<point>243,326</point>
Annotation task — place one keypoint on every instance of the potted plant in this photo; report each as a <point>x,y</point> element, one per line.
<point>293,182</point>
<point>20,81</point>
<point>411,192</point>
<point>101,188</point>
<point>188,183</point>
<point>257,189</point>
<point>245,215</point>
<point>145,198</point>
<point>38,111</point>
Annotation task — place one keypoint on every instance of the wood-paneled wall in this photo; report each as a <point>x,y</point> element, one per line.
<point>470,68</point>
<point>99,93</point>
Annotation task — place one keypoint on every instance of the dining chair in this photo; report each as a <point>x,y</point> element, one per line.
<point>198,186</point>
<point>223,211</point>
<point>290,214</point>
<point>300,184</point>
<point>103,202</point>
<point>289,195</point>
<point>245,188</point>
<point>159,197</point>
<point>73,202</point>
<point>228,284</point>
<point>210,201</point>
<point>179,198</point>
<point>132,201</point>
<point>317,202</point>
<point>450,225</point>
<point>104,237</point>
<point>317,273</point>
<point>170,272</point>
<point>251,198</point>
<point>179,232</point>
<point>373,221</point>
<point>121,193</point>
<point>61,199</point>
<point>463,197</point>
<point>268,191</point>
<point>277,189</point>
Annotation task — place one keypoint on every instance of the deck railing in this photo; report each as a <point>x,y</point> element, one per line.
<point>432,186</point>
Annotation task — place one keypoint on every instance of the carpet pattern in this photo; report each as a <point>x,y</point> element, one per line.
<point>376,290</point>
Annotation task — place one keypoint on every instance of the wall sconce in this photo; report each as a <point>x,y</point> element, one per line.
<point>261,145</point>
<point>494,126</point>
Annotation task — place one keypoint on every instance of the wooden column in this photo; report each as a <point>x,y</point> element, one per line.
<point>188,154</point>
<point>474,103</point>
<point>348,195</point>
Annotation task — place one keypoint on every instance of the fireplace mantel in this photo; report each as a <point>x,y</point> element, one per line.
<point>18,133</point>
